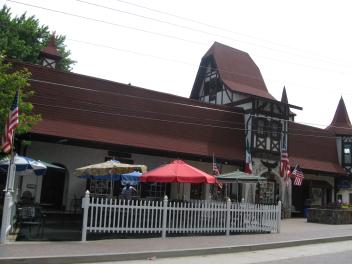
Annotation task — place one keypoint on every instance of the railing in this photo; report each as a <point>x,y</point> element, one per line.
<point>106,215</point>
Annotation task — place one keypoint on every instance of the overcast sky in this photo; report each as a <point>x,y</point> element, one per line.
<point>303,45</point>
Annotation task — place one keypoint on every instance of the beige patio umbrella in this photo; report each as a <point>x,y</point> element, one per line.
<point>109,170</point>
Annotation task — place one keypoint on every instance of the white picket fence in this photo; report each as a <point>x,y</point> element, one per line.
<point>105,215</point>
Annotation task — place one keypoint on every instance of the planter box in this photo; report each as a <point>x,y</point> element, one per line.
<point>329,216</point>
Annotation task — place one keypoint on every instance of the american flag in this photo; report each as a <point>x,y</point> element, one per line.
<point>284,163</point>
<point>216,169</point>
<point>216,172</point>
<point>248,168</point>
<point>298,174</point>
<point>10,125</point>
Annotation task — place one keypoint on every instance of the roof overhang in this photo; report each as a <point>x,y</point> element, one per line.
<point>318,166</point>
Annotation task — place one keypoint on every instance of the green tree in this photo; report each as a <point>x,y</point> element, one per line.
<point>10,82</point>
<point>23,38</point>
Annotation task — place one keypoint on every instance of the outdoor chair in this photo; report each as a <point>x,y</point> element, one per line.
<point>29,216</point>
<point>27,198</point>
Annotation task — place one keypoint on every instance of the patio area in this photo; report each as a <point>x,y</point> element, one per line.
<point>57,226</point>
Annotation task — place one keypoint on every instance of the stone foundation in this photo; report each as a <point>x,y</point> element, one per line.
<point>329,216</point>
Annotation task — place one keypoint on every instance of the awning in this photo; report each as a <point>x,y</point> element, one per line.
<point>239,176</point>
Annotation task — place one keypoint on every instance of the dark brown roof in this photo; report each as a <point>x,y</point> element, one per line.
<point>51,49</point>
<point>96,110</point>
<point>79,107</point>
<point>341,124</point>
<point>313,148</point>
<point>238,71</point>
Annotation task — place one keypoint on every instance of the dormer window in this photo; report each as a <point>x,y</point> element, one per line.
<point>347,149</point>
<point>211,86</point>
<point>50,63</point>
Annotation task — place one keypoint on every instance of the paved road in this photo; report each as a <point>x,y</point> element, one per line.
<point>336,253</point>
<point>293,231</point>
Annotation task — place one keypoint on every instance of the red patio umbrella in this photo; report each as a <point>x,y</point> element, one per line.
<point>177,171</point>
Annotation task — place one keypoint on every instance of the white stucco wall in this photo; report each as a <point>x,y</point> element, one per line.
<point>73,157</point>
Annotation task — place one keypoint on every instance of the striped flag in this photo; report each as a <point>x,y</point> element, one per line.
<point>10,125</point>
<point>216,172</point>
<point>284,163</point>
<point>216,169</point>
<point>248,167</point>
<point>298,174</point>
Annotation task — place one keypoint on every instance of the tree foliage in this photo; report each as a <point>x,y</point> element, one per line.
<point>10,82</point>
<point>23,38</point>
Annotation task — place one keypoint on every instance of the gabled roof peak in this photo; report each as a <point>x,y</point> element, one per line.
<point>341,123</point>
<point>218,45</point>
<point>237,71</point>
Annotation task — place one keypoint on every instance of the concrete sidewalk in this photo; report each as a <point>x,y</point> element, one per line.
<point>293,232</point>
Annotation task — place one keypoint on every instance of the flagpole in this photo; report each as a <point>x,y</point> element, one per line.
<point>11,169</point>
<point>8,201</point>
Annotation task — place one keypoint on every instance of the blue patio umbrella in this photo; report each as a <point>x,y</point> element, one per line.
<point>24,166</point>
<point>131,178</point>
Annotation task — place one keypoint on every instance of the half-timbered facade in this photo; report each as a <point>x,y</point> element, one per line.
<point>230,77</point>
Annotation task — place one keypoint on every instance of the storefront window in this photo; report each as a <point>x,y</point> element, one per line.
<point>196,191</point>
<point>155,190</point>
<point>317,196</point>
<point>100,187</point>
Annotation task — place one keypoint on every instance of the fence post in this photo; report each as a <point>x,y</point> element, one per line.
<point>85,206</point>
<point>278,216</point>
<point>228,216</point>
<point>6,215</point>
<point>163,231</point>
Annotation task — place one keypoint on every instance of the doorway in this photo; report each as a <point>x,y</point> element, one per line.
<point>53,188</point>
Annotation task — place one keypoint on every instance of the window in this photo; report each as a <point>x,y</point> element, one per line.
<point>206,86</point>
<point>275,129</point>
<point>261,127</point>
<point>317,196</point>
<point>155,190</point>
<point>100,187</point>
<point>211,86</point>
<point>347,154</point>
<point>196,191</point>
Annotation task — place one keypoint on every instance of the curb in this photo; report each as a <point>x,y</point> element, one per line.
<point>167,253</point>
